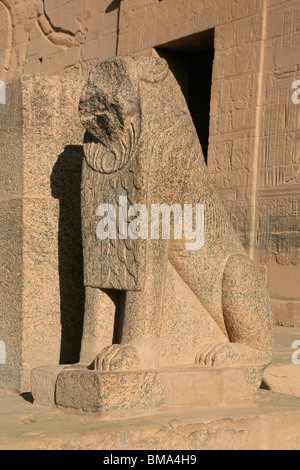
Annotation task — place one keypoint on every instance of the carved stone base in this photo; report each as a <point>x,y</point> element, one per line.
<point>132,393</point>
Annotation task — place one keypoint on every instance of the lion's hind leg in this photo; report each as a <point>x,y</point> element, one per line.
<point>248,318</point>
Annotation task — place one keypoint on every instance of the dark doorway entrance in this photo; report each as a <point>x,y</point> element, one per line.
<point>191,61</point>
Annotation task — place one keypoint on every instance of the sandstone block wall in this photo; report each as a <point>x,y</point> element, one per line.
<point>56,36</point>
<point>278,178</point>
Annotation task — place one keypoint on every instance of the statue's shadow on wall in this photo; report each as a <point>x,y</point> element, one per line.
<point>114,5</point>
<point>65,186</point>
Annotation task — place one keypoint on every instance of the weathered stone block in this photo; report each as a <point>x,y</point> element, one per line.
<point>112,393</point>
<point>41,273</point>
<point>132,393</point>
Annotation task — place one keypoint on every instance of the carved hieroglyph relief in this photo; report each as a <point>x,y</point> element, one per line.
<point>23,16</point>
<point>62,36</point>
<point>279,172</point>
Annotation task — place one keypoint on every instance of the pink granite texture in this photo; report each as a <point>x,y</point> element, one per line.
<point>176,306</point>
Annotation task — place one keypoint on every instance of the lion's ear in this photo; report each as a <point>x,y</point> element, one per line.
<point>151,69</point>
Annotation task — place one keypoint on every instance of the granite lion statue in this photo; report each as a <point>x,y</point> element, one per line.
<point>141,145</point>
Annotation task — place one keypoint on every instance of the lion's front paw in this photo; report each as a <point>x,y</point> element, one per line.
<point>214,355</point>
<point>231,355</point>
<point>117,357</point>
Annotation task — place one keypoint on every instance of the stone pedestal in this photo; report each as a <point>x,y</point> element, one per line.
<point>132,393</point>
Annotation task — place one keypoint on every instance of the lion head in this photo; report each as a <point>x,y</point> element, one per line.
<point>110,109</point>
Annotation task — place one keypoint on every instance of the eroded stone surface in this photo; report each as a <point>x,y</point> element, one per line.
<point>272,423</point>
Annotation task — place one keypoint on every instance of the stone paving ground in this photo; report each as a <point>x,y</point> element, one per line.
<point>272,422</point>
